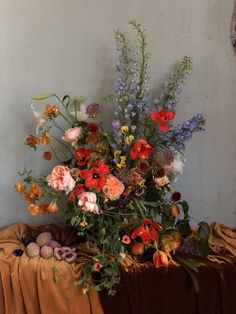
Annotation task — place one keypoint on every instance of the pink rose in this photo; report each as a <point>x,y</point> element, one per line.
<point>113,188</point>
<point>87,201</point>
<point>72,135</point>
<point>60,179</point>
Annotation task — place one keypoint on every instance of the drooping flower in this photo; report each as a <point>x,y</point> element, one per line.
<point>162,118</point>
<point>32,141</point>
<point>174,210</point>
<point>87,201</point>
<point>60,179</point>
<point>97,176</point>
<point>36,209</point>
<point>72,135</point>
<point>47,155</point>
<point>141,149</point>
<point>33,193</point>
<point>160,259</point>
<point>82,155</point>
<point>113,188</point>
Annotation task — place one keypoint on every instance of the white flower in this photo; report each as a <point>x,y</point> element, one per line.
<point>176,167</point>
<point>40,117</point>
<point>81,114</point>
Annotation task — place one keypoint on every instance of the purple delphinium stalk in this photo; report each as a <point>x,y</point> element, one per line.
<point>183,132</point>
<point>139,107</point>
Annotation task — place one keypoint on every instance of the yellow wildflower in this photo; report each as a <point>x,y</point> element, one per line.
<point>122,163</point>
<point>124,129</point>
<point>129,139</point>
<point>117,153</point>
<point>45,138</point>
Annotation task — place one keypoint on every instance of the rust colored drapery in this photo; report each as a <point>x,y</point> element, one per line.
<point>27,285</point>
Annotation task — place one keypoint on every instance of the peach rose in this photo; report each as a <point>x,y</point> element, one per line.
<point>113,188</point>
<point>60,179</point>
<point>87,201</point>
<point>72,135</point>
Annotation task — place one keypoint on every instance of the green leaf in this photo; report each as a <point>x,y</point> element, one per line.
<point>67,162</point>
<point>185,207</point>
<point>203,236</point>
<point>183,227</point>
<point>192,264</point>
<point>42,96</point>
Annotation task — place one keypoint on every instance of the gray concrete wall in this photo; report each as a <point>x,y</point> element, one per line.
<point>67,47</point>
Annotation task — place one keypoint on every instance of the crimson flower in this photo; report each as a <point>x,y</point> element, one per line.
<point>141,149</point>
<point>82,155</point>
<point>147,231</point>
<point>162,117</point>
<point>96,176</point>
<point>47,155</point>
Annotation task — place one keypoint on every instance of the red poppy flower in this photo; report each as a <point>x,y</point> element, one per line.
<point>160,259</point>
<point>76,192</point>
<point>141,149</point>
<point>92,127</point>
<point>47,155</point>
<point>162,117</point>
<point>82,155</point>
<point>96,177</point>
<point>147,231</point>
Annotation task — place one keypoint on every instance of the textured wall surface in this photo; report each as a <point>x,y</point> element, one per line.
<point>67,47</point>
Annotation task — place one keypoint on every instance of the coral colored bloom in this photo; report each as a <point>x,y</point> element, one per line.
<point>72,135</point>
<point>162,117</point>
<point>47,155</point>
<point>141,149</point>
<point>87,201</point>
<point>160,259</point>
<point>113,188</point>
<point>60,179</point>
<point>126,239</point>
<point>97,266</point>
<point>82,155</point>
<point>93,127</point>
<point>20,187</point>
<point>34,192</point>
<point>96,177</point>
<point>45,138</point>
<point>52,207</point>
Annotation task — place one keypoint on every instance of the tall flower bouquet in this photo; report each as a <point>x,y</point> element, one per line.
<point>118,183</point>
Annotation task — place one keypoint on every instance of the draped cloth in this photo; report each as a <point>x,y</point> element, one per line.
<point>27,286</point>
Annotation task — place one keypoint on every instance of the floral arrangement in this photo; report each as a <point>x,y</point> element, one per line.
<point>118,183</point>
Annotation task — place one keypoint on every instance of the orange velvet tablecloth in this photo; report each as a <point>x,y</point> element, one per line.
<point>28,285</point>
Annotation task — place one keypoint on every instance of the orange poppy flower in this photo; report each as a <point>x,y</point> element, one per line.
<point>141,149</point>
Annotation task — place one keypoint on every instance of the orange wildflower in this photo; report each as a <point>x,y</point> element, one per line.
<point>45,138</point>
<point>141,149</point>
<point>20,187</point>
<point>34,192</point>
<point>52,207</point>
<point>36,209</point>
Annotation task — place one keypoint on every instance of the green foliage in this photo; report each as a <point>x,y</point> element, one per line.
<point>203,236</point>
